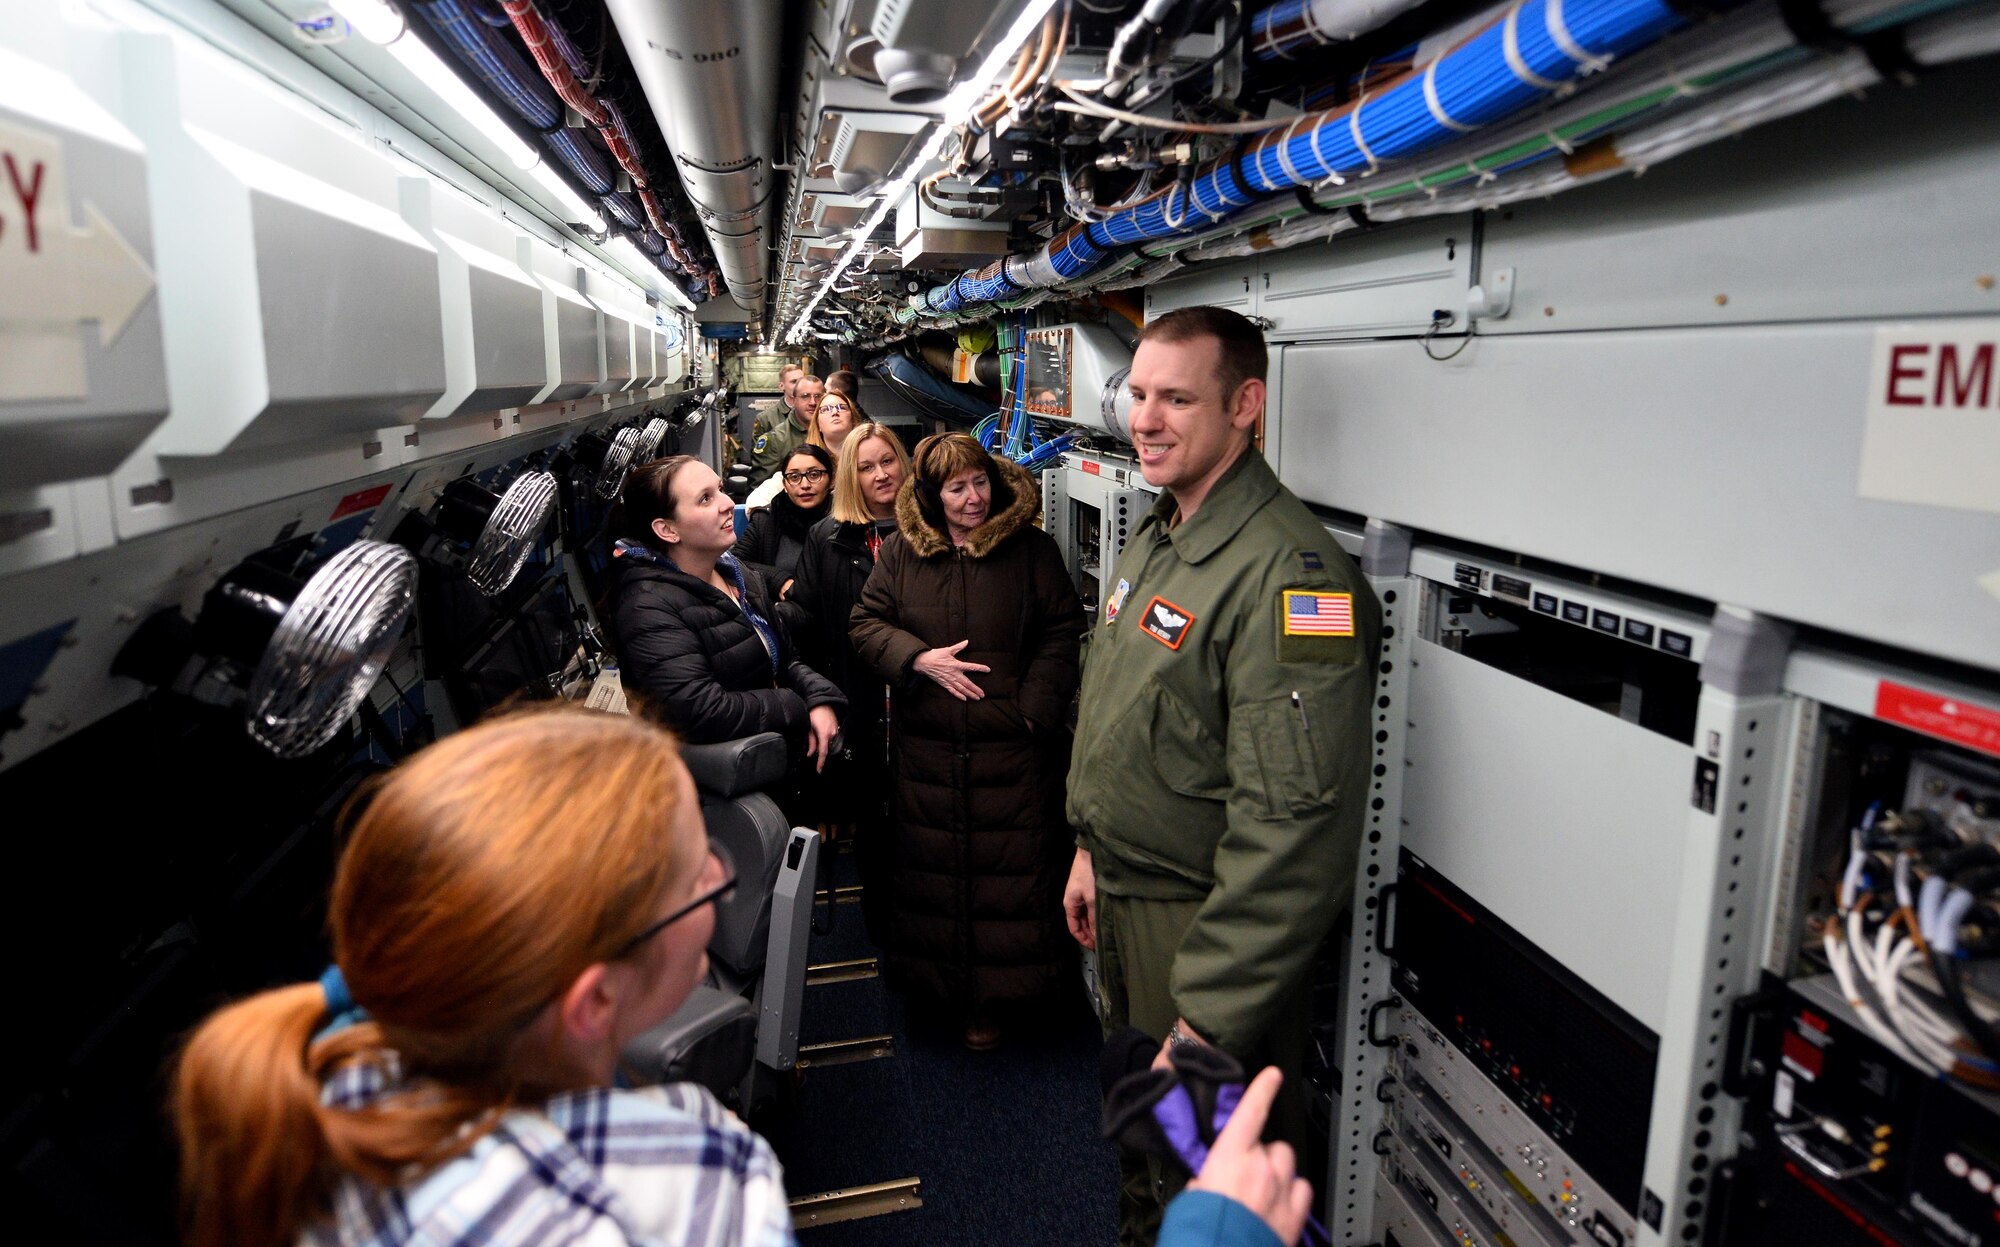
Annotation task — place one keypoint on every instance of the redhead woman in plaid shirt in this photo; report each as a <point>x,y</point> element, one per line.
<point>513,905</point>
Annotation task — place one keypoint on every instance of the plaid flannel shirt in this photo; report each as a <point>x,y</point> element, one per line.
<point>661,1165</point>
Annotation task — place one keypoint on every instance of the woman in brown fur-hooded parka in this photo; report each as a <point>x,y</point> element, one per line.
<point>973,620</point>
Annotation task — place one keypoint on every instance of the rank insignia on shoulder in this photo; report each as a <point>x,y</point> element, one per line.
<point>1311,613</point>
<point>1311,561</point>
<point>1117,602</point>
<point>1166,623</point>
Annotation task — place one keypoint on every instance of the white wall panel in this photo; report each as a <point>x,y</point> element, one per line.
<point>1719,462</point>
<point>1570,832</point>
<point>1875,207</point>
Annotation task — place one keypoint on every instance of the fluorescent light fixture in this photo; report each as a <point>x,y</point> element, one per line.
<point>573,205</point>
<point>957,107</point>
<point>380,23</point>
<point>626,252</point>
<point>377,21</point>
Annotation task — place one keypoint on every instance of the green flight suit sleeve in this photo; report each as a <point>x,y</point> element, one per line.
<point>1297,754</point>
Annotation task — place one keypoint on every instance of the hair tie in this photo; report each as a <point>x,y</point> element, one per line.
<point>334,984</point>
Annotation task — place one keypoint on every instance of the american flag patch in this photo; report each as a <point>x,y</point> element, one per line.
<point>1308,613</point>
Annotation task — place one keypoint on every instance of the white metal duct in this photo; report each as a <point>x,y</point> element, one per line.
<point>711,74</point>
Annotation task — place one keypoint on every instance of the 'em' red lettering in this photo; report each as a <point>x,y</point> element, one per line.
<point>1979,373</point>
<point>1898,374</point>
<point>28,195</point>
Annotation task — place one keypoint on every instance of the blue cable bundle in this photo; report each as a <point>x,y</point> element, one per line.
<point>1264,45</point>
<point>488,54</point>
<point>582,160</point>
<point>625,211</point>
<point>1514,63</point>
<point>495,61</point>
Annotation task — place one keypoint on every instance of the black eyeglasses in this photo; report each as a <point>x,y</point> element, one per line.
<point>709,897</point>
<point>805,477</point>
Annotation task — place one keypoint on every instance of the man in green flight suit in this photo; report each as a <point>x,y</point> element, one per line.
<point>773,438</point>
<point>1221,760</point>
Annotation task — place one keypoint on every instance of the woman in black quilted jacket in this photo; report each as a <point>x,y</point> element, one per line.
<point>698,643</point>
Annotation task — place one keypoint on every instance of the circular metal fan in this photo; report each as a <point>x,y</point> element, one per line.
<point>1116,405</point>
<point>330,646</point>
<point>510,532</point>
<point>617,462</point>
<point>650,438</point>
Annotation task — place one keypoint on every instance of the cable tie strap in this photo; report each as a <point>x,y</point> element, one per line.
<point>1354,129</point>
<point>1236,154</point>
<point>1587,62</point>
<point>1333,177</point>
<point>1314,206</point>
<point>1511,41</point>
<point>1438,113</point>
<point>1810,26</point>
<point>1285,155</point>
<point>1888,52</point>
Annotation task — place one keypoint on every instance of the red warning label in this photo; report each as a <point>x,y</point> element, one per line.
<point>1947,718</point>
<point>355,503</point>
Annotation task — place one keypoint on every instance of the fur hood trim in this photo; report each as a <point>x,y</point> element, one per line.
<point>1017,504</point>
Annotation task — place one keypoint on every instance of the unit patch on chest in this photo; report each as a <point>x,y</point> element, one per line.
<point>1166,623</point>
<point>1117,602</point>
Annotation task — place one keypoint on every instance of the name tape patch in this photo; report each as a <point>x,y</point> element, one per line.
<point>1309,612</point>
<point>1166,623</point>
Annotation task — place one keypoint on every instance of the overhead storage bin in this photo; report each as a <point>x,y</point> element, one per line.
<point>82,372</point>
<point>496,354</point>
<point>574,353</point>
<point>615,301</point>
<point>298,305</point>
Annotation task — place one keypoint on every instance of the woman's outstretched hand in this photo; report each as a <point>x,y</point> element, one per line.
<point>822,725</point>
<point>943,666</point>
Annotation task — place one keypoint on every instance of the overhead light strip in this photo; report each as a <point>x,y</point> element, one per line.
<point>383,24</point>
<point>957,107</point>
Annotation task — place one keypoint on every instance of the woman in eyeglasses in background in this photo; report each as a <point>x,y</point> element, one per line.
<point>776,534</point>
<point>514,904</point>
<point>833,420</point>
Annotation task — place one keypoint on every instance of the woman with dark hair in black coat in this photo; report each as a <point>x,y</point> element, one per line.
<point>697,640</point>
<point>776,535</point>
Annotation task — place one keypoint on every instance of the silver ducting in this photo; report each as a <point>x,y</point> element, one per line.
<point>711,74</point>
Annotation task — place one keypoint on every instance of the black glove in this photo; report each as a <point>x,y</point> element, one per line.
<point>1173,1113</point>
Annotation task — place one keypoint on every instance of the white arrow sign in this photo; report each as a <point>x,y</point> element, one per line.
<point>55,275</point>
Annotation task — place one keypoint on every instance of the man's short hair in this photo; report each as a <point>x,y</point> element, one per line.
<point>1239,340</point>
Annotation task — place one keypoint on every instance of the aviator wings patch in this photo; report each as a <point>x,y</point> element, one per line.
<point>1166,623</point>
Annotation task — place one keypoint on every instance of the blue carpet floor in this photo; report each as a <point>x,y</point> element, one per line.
<point>1006,1142</point>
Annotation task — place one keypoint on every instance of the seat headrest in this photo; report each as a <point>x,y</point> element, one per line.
<point>731,768</point>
